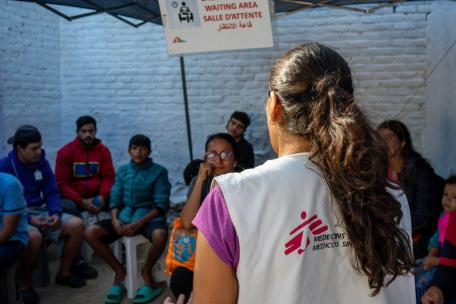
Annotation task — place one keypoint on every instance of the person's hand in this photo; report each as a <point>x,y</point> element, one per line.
<point>204,171</point>
<point>118,226</point>
<point>101,204</point>
<point>168,300</point>
<point>429,262</point>
<point>180,300</point>
<point>53,222</point>
<point>39,221</point>
<point>87,204</point>
<point>130,229</point>
<point>432,296</point>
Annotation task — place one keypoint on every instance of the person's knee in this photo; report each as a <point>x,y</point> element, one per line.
<point>92,233</point>
<point>74,226</point>
<point>34,244</point>
<point>35,240</point>
<point>159,236</point>
<point>95,234</point>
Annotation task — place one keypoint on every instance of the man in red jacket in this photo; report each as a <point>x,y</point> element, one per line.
<point>84,170</point>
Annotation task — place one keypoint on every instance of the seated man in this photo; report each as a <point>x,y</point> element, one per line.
<point>13,221</point>
<point>139,202</point>
<point>28,163</point>
<point>84,170</point>
<point>236,127</point>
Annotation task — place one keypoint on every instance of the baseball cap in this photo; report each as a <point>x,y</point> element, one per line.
<point>25,134</point>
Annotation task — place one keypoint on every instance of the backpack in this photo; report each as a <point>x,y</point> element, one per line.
<point>181,247</point>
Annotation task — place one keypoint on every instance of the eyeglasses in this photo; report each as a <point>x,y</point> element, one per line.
<point>223,155</point>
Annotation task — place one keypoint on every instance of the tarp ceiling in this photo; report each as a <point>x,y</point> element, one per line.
<point>145,11</point>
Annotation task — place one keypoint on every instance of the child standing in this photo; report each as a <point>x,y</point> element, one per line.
<point>139,201</point>
<point>427,266</point>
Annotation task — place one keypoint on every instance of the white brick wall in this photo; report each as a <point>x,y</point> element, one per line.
<point>124,77</point>
<point>439,132</point>
<point>29,71</point>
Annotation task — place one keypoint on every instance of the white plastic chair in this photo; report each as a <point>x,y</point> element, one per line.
<point>134,278</point>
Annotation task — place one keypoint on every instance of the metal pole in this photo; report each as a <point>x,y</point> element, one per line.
<point>187,114</point>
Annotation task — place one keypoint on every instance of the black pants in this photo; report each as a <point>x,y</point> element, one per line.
<point>181,282</point>
<point>10,252</point>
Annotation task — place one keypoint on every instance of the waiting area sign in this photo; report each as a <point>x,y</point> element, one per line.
<point>196,26</point>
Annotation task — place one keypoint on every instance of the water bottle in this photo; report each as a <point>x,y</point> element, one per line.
<point>96,201</point>
<point>93,218</point>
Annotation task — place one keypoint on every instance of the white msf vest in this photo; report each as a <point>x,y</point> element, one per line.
<point>292,249</point>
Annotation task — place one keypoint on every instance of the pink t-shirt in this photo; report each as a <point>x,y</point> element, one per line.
<point>393,177</point>
<point>214,222</point>
<point>442,226</point>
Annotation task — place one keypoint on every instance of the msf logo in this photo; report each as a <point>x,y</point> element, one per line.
<point>316,227</point>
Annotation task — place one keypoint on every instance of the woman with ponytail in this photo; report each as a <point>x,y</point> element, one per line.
<point>319,223</point>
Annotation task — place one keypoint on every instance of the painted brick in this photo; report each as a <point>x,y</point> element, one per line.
<point>52,71</point>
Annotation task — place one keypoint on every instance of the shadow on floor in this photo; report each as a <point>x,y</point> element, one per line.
<point>94,291</point>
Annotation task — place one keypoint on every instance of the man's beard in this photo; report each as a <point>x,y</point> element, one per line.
<point>88,141</point>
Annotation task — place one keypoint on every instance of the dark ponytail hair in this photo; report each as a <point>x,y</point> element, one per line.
<point>314,87</point>
<point>451,180</point>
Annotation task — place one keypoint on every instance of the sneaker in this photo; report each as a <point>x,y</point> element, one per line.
<point>29,296</point>
<point>84,271</point>
<point>71,281</point>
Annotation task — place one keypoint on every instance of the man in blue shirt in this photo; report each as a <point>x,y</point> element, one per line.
<point>45,218</point>
<point>13,221</point>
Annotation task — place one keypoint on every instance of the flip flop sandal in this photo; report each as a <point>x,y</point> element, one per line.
<point>146,294</point>
<point>115,294</point>
<point>71,280</point>
<point>29,296</point>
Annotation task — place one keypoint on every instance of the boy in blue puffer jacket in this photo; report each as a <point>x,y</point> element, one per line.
<point>138,203</point>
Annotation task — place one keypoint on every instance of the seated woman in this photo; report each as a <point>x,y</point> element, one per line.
<point>220,158</point>
<point>139,201</point>
<point>415,176</point>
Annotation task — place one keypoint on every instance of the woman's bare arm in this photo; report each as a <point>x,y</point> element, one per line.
<point>214,281</point>
<point>194,200</point>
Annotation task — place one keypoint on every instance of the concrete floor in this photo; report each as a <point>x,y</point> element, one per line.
<point>95,289</point>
